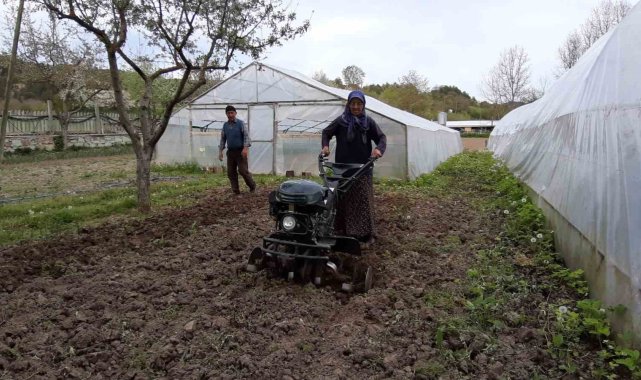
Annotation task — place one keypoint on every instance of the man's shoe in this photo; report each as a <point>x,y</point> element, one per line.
<point>236,192</point>
<point>252,189</point>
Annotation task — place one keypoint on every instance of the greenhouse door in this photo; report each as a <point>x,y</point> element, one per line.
<point>261,131</point>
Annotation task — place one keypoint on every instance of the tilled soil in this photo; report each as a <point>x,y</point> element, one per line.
<point>168,298</point>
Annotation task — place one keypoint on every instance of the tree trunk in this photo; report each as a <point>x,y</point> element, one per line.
<point>144,155</point>
<point>7,91</point>
<point>64,118</point>
<point>64,126</point>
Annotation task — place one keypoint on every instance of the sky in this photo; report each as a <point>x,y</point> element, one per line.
<point>450,42</point>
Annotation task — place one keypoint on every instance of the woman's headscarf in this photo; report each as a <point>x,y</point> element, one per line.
<point>352,121</point>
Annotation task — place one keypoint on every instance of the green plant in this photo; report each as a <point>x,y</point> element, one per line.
<point>432,182</point>
<point>630,359</point>
<point>171,312</point>
<point>444,299</point>
<point>431,369</point>
<point>484,310</point>
<point>569,366</point>
<point>193,228</point>
<point>58,143</point>
<point>475,134</point>
<point>23,151</point>
<point>440,335</point>
<point>526,221</point>
<point>160,243</point>
<point>138,359</point>
<point>594,318</point>
<point>305,347</point>
<point>574,278</point>
<point>54,268</point>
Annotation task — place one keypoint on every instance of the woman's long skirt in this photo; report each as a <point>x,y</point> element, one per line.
<point>355,213</point>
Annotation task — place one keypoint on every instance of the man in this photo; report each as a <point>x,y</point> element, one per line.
<point>236,136</point>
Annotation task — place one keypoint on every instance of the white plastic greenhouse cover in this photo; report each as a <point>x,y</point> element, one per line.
<point>578,147</point>
<point>286,111</point>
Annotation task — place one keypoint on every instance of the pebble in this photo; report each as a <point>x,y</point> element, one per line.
<point>189,327</point>
<point>41,299</point>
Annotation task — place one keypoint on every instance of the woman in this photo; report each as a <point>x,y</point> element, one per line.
<point>354,132</point>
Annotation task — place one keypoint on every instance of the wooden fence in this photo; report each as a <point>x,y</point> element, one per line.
<point>43,122</point>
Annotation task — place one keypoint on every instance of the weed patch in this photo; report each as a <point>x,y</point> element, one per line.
<point>39,155</point>
<point>511,279</point>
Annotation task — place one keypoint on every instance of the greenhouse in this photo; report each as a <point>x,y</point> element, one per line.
<point>285,113</point>
<point>579,150</point>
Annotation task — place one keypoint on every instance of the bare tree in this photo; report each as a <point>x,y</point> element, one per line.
<point>603,17</point>
<point>413,78</point>
<point>353,77</point>
<point>65,62</point>
<point>321,77</point>
<point>324,79</point>
<point>572,49</point>
<point>186,37</point>
<point>509,80</point>
<point>535,92</point>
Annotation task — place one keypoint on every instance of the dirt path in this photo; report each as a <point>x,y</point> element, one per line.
<point>166,298</point>
<point>474,143</point>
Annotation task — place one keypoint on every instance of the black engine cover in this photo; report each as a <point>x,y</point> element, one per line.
<point>300,192</point>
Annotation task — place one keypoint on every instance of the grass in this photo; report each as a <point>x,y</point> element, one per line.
<point>43,218</point>
<point>178,169</point>
<point>28,155</point>
<point>500,285</point>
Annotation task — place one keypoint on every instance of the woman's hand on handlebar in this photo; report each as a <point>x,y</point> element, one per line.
<point>325,151</point>
<point>377,153</point>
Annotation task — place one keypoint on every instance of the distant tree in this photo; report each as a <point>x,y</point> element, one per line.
<point>321,77</point>
<point>375,89</point>
<point>449,90</point>
<point>571,50</point>
<point>508,81</point>
<point>413,78</point>
<point>491,111</point>
<point>353,77</point>
<point>604,16</point>
<point>187,39</point>
<point>407,98</point>
<point>451,98</point>
<point>536,92</point>
<point>336,82</point>
<point>163,88</point>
